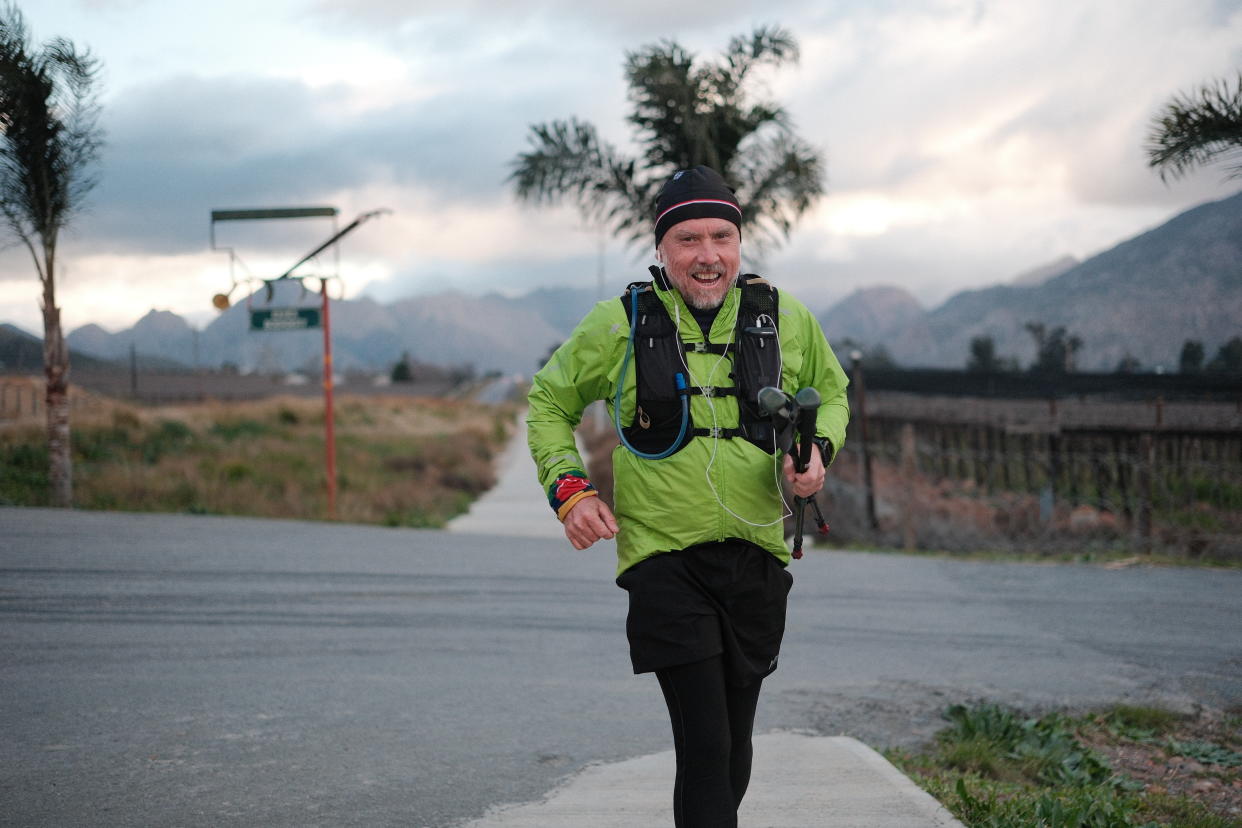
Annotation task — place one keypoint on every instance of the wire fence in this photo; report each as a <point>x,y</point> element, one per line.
<point>1046,476</point>
<point>24,398</point>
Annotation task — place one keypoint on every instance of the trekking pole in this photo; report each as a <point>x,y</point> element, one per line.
<point>820,523</point>
<point>798,415</point>
<point>806,402</point>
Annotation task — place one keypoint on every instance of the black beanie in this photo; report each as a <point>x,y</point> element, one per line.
<point>693,194</point>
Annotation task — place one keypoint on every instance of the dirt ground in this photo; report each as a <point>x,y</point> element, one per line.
<point>1162,769</point>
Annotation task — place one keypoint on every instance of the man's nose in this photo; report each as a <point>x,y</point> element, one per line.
<point>706,252</point>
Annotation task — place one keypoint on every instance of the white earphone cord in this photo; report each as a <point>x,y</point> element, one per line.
<point>776,472</point>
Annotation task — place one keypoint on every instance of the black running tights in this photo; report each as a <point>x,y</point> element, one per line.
<point>712,724</point>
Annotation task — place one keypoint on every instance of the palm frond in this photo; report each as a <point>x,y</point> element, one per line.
<point>568,161</point>
<point>1198,129</point>
<point>779,178</point>
<point>664,92</point>
<point>49,132</point>
<point>773,45</point>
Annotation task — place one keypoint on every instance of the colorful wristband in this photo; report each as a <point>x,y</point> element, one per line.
<point>568,489</point>
<point>573,501</point>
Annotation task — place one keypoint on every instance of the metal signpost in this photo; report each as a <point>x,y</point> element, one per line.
<point>296,319</point>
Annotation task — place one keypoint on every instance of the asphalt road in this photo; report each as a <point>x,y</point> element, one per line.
<point>195,671</point>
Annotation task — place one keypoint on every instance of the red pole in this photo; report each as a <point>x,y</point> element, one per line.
<point>329,432</point>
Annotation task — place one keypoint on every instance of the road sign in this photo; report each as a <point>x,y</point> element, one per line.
<point>284,319</point>
<point>272,213</point>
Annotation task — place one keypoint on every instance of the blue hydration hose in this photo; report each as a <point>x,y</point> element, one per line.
<point>679,379</point>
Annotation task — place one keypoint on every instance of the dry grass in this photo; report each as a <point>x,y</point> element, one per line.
<point>401,461</point>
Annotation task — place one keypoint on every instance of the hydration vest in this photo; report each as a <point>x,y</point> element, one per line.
<point>659,357</point>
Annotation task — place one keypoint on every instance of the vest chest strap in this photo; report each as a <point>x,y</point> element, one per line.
<point>712,390</point>
<point>724,433</point>
<point>706,348</point>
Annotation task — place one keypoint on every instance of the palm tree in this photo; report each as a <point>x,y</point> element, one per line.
<point>983,357</point>
<point>1198,129</point>
<point>684,113</point>
<point>1056,350</point>
<point>49,139</point>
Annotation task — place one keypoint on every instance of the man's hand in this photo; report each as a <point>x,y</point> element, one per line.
<point>808,482</point>
<point>589,520</point>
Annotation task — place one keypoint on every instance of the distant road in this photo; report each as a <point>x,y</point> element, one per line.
<point>499,390</point>
<point>203,671</point>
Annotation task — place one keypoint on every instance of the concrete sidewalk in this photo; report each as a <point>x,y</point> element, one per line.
<point>515,506</point>
<point>799,781</point>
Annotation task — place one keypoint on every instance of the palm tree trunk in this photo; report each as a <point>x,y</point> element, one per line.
<point>56,369</point>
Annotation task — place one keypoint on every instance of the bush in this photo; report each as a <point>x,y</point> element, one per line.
<point>240,429</point>
<point>23,474</point>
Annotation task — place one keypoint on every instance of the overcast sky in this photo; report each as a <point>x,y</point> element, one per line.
<point>966,142</point>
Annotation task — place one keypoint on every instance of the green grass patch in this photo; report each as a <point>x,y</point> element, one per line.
<point>241,429</point>
<point>24,474</point>
<point>1207,753</point>
<point>994,767</point>
<point>1139,723</point>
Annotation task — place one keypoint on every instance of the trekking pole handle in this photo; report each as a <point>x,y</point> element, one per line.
<point>807,400</point>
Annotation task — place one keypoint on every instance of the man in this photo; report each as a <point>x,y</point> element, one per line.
<point>699,518</point>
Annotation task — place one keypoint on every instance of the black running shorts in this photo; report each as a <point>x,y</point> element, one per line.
<point>713,598</point>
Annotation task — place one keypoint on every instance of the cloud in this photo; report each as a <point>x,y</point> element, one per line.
<point>942,96</point>
<point>634,19</point>
<point>183,147</point>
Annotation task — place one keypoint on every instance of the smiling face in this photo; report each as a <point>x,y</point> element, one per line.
<point>702,258</point>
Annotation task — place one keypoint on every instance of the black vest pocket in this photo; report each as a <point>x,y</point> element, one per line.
<point>757,366</point>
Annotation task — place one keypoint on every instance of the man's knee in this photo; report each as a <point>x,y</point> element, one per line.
<point>713,747</point>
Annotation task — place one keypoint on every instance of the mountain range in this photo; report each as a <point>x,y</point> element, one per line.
<point>1141,299</point>
<point>490,332</point>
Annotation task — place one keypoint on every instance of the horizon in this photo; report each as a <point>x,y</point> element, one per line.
<point>196,323</point>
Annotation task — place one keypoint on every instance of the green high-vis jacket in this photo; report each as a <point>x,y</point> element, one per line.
<point>713,488</point>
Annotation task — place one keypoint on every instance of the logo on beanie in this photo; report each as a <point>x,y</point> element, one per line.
<point>678,174</point>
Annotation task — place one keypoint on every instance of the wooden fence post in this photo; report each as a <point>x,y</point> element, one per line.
<point>860,388</point>
<point>1146,461</point>
<point>909,468</point>
<point>1048,497</point>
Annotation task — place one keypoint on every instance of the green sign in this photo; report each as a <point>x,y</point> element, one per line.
<point>272,213</point>
<point>284,319</point>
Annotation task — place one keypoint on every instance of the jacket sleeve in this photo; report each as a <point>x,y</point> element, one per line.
<point>822,371</point>
<point>576,375</point>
